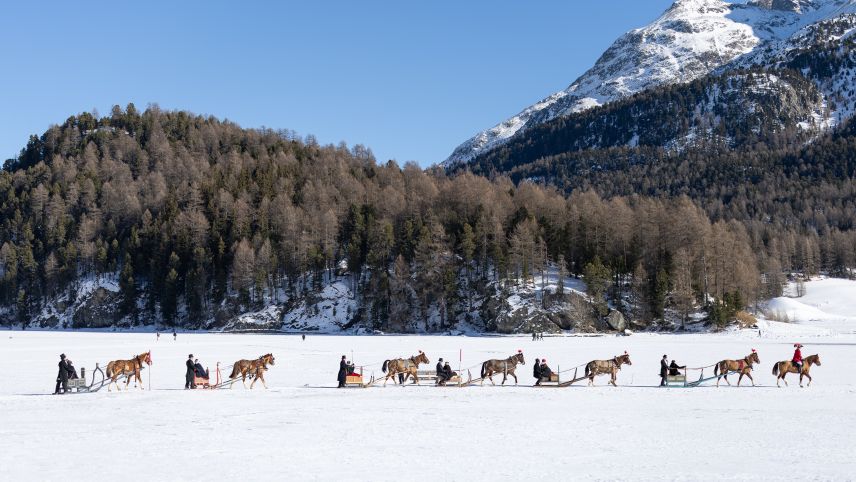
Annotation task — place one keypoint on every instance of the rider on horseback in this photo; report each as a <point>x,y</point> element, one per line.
<point>797,360</point>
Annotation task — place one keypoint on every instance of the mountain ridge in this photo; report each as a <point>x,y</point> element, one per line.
<point>691,39</point>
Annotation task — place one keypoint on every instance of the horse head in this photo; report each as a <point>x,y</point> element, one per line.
<point>813,360</point>
<point>519,357</point>
<point>421,358</point>
<point>753,357</point>
<point>623,359</point>
<point>143,358</point>
<point>267,359</point>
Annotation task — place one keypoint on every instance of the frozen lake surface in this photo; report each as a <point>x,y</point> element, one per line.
<point>302,428</point>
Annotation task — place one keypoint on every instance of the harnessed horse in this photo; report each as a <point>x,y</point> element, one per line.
<point>744,367</point>
<point>506,367</point>
<point>408,366</point>
<point>127,368</point>
<point>253,368</point>
<point>602,367</point>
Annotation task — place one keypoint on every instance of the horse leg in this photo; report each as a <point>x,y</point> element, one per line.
<point>809,379</point>
<point>783,375</point>
<point>750,378</point>
<point>515,377</point>
<point>490,377</point>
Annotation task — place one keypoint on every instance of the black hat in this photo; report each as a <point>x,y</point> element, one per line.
<point>62,356</point>
<point>664,356</point>
<point>441,359</point>
<point>343,357</point>
<point>190,356</point>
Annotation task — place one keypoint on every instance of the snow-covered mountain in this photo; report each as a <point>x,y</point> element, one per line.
<point>691,39</point>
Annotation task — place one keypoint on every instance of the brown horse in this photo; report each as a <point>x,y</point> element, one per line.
<point>743,367</point>
<point>254,369</point>
<point>506,367</point>
<point>782,368</point>
<point>408,366</point>
<point>127,367</point>
<point>603,367</point>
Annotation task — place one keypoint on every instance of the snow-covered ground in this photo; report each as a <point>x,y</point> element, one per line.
<point>303,429</point>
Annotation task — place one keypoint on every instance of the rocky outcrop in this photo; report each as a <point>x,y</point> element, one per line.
<point>98,310</point>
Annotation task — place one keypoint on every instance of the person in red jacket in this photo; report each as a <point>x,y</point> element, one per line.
<point>797,360</point>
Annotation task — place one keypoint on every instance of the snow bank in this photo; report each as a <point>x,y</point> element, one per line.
<point>829,303</point>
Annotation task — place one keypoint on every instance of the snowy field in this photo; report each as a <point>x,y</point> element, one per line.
<point>828,303</point>
<point>303,429</point>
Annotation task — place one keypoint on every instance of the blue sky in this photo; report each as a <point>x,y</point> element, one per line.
<point>409,80</point>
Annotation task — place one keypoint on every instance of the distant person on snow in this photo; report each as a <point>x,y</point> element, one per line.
<point>157,336</point>
<point>303,336</point>
<point>536,371</point>
<point>544,371</point>
<point>675,369</point>
<point>797,360</point>
<point>664,370</point>
<point>174,335</point>
<point>188,375</point>
<point>343,372</point>
<point>62,376</point>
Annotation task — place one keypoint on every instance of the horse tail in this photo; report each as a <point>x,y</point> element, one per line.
<point>385,364</point>
<point>588,369</point>
<point>236,370</point>
<point>484,369</point>
<point>775,368</point>
<point>716,370</point>
<point>109,371</point>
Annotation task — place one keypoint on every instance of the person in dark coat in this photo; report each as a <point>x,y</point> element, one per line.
<point>441,374</point>
<point>72,372</point>
<point>62,376</point>
<point>189,382</point>
<point>343,372</point>
<point>536,371</point>
<point>675,369</point>
<point>664,370</point>
<point>544,372</point>
<point>199,370</point>
<point>447,373</point>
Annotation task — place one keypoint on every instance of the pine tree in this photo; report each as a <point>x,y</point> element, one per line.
<point>597,277</point>
<point>128,287</point>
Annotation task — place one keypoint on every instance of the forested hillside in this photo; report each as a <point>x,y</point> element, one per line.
<point>199,221</point>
